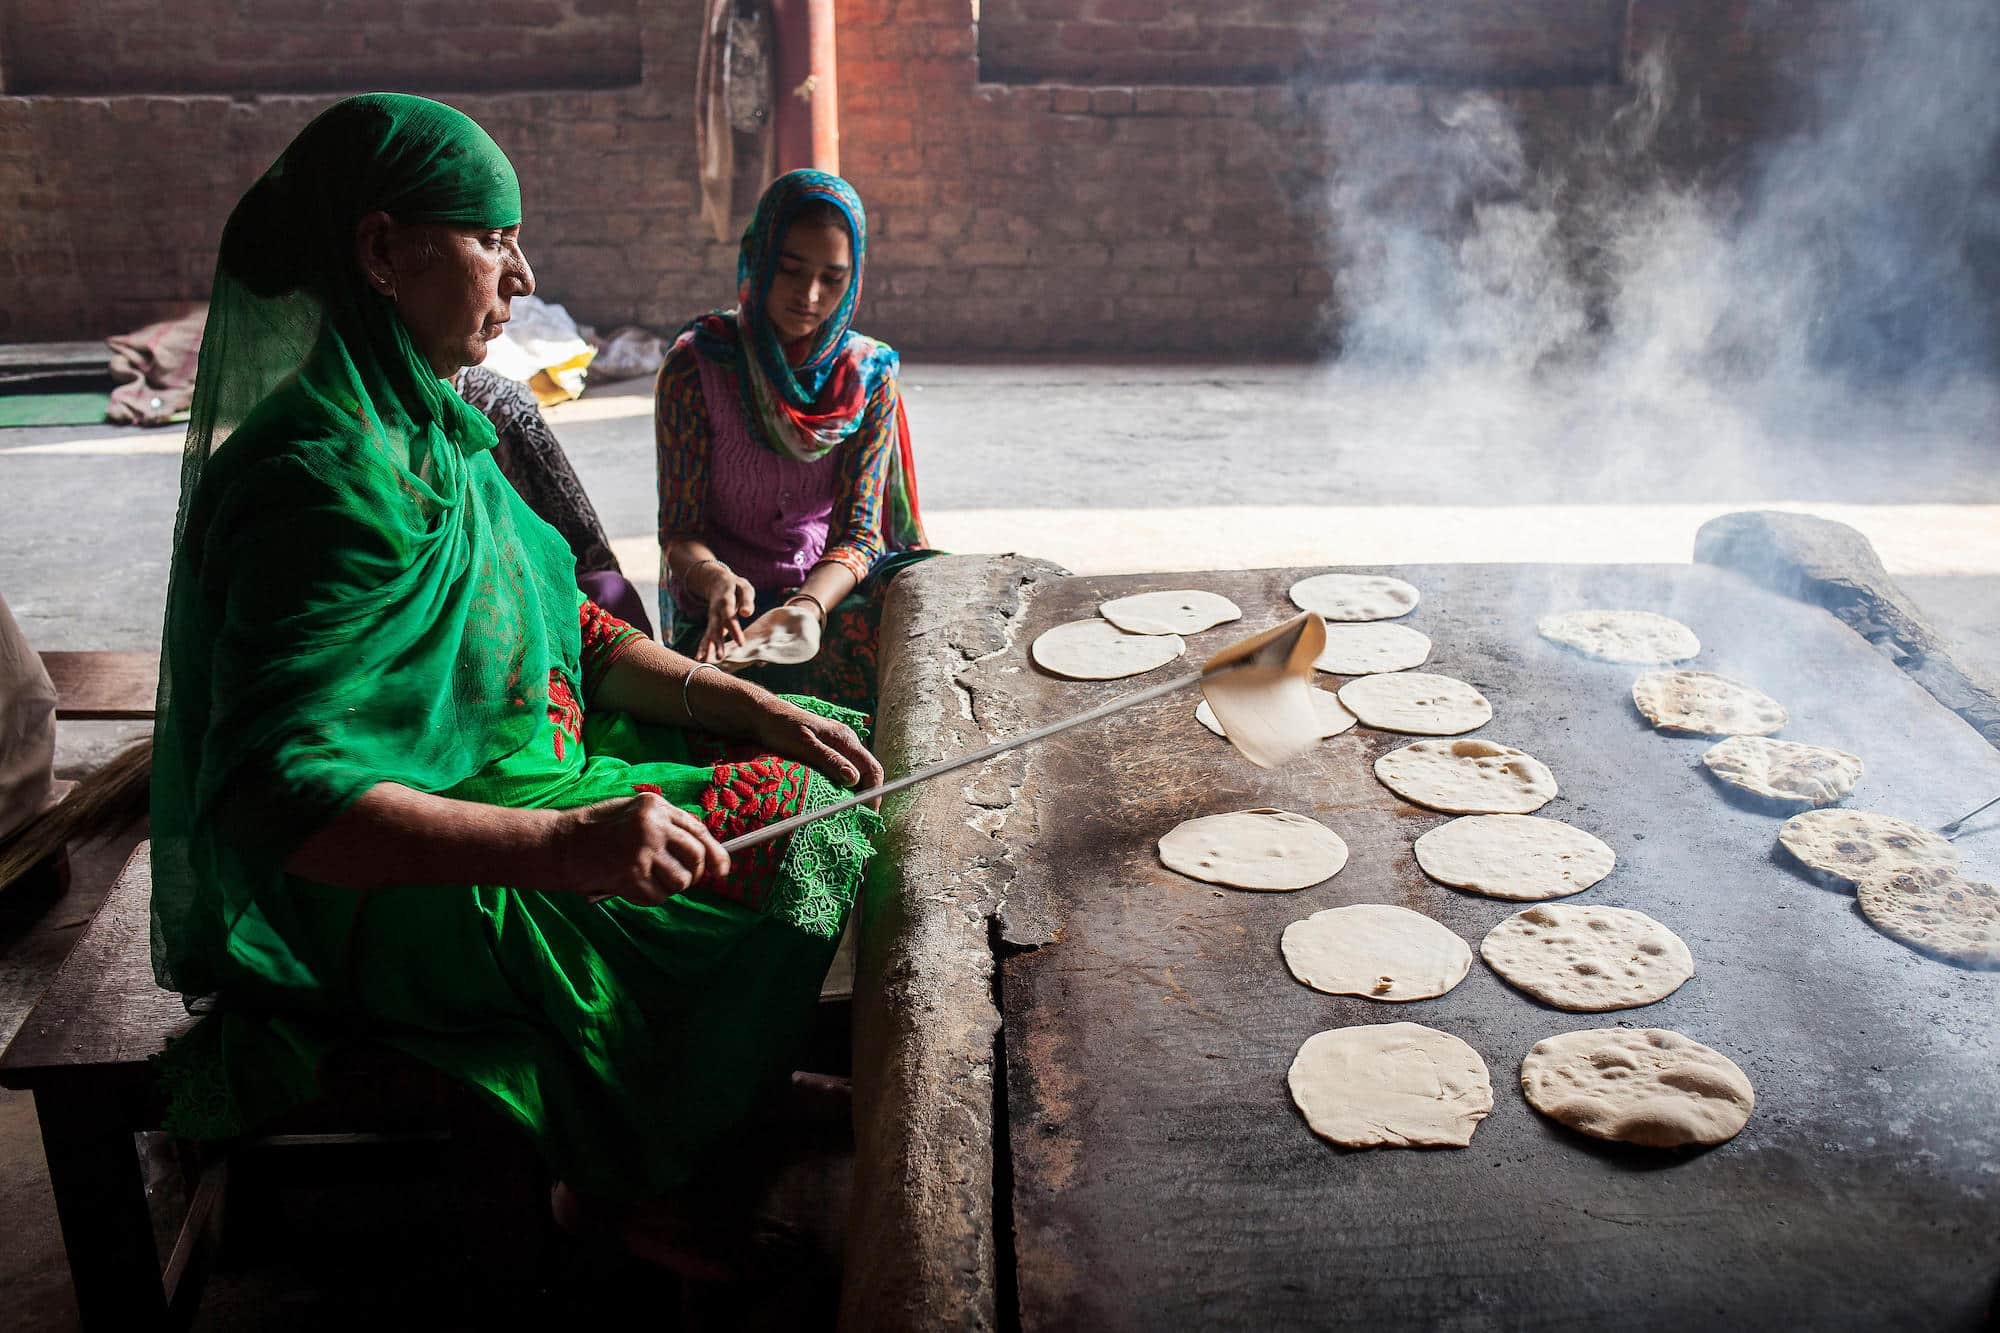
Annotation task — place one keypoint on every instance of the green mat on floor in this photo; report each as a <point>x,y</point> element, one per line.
<point>53,409</point>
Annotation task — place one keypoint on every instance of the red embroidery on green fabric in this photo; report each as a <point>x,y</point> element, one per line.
<point>744,796</point>
<point>565,713</point>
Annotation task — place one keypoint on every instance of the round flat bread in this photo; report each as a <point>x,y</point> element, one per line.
<point>1701,703</point>
<point>1364,649</point>
<point>1844,845</point>
<point>1467,777</point>
<point>1099,650</point>
<point>1400,1085</point>
<point>1644,637</point>
<point>1180,611</point>
<point>1524,858</point>
<point>1416,702</point>
<point>1586,958</point>
<point>1255,849</point>
<point>783,635</point>
<point>1638,1085</point>
<point>1937,911</point>
<point>1354,596</point>
<point>1784,771</point>
<point>1333,716</point>
<point>1376,950</point>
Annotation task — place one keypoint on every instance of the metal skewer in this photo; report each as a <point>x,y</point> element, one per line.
<point>1956,826</point>
<point>1274,646</point>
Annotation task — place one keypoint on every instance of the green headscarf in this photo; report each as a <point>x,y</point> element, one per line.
<point>356,596</point>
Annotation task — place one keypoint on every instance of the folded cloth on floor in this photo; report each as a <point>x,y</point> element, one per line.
<point>156,368</point>
<point>629,352</point>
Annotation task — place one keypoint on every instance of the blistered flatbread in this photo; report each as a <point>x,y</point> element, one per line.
<point>1354,596</point>
<point>1638,1085</point>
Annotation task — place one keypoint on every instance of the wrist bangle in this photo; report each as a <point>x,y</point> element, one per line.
<point>687,707</point>
<point>818,605</point>
<point>687,575</point>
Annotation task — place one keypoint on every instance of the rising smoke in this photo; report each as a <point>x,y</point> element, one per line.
<point>1862,249</point>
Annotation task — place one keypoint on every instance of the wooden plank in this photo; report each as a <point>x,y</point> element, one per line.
<point>103,1007</point>
<point>104,687</point>
<point>61,356</point>
<point>1160,1175</point>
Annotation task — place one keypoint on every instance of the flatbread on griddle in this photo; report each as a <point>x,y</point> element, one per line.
<point>1701,703</point>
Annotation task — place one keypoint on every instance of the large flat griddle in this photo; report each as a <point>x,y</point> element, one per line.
<point>1158,1174</point>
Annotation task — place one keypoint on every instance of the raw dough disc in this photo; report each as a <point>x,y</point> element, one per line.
<point>1701,703</point>
<point>1333,716</point>
<point>1467,777</point>
<point>1645,637</point>
<point>1099,650</point>
<point>1520,857</point>
<point>1846,844</point>
<point>1354,596</point>
<point>1376,950</point>
<point>1784,770</point>
<point>1416,702</point>
<point>1180,611</point>
<point>1364,649</point>
<point>1638,1085</point>
<point>1399,1084</point>
<point>786,639</point>
<point>1936,911</point>
<point>1255,849</point>
<point>1586,958</point>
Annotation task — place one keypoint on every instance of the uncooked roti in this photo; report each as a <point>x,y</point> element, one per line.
<point>1363,650</point>
<point>1701,703</point>
<point>1255,849</point>
<point>1936,911</point>
<point>1586,958</point>
<point>1333,717</point>
<point>1844,845</point>
<point>1784,770</point>
<point>1638,1085</point>
<point>1354,596</point>
<point>1520,857</point>
<point>1377,950</point>
<point>783,635</point>
<point>1416,702</point>
<point>1400,1085</point>
<point>1468,777</point>
<point>1181,611</point>
<point>1645,637</point>
<point>1099,650</point>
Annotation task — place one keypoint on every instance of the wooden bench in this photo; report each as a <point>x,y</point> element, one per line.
<point>104,687</point>
<point>84,1052</point>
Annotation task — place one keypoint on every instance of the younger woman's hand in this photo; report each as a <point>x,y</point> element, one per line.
<point>730,598</point>
<point>641,848</point>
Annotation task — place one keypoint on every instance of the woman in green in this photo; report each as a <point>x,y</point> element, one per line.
<point>410,786</point>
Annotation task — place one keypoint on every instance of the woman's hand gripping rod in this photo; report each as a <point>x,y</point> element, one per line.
<point>1265,707</point>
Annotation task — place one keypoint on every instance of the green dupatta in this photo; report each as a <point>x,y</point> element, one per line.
<point>356,595</point>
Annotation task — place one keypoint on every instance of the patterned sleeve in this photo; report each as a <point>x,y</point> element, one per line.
<point>680,440</point>
<point>854,536</point>
<point>605,639</point>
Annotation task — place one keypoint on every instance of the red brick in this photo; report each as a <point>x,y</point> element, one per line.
<point>1111,101</point>
<point>1069,100</point>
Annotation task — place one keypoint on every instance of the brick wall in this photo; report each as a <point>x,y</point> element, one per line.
<point>239,46</point>
<point>1269,41</point>
<point>1008,217</point>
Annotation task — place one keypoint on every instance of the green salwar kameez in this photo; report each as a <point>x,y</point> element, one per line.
<point>358,597</point>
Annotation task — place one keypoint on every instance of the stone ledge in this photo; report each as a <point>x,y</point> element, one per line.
<point>1830,565</point>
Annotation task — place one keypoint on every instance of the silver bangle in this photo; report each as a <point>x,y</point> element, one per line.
<point>687,707</point>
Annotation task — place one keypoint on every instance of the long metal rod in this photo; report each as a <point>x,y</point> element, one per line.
<point>1123,701</point>
<point>1957,826</point>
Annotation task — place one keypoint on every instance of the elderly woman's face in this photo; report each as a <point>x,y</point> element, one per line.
<point>815,264</point>
<point>453,286</point>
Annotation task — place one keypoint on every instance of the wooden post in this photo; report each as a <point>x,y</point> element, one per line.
<point>806,120</point>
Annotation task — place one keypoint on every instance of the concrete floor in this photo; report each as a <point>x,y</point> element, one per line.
<point>1110,469</point>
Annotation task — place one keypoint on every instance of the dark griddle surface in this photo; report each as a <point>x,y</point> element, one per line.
<point>1160,1175</point>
